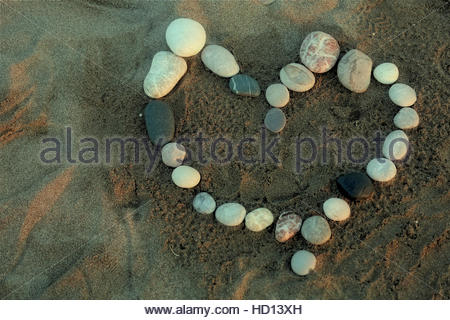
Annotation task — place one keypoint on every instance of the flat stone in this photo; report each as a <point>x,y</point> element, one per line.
<point>173,154</point>
<point>381,169</point>
<point>258,219</point>
<point>287,226</point>
<point>406,118</point>
<point>297,77</point>
<point>354,71</point>
<point>277,95</point>
<point>275,120</point>
<point>185,37</point>
<point>244,85</point>
<point>303,262</point>
<point>204,203</point>
<point>355,185</point>
<point>319,51</point>
<point>396,145</point>
<point>165,72</point>
<point>386,73</point>
<point>402,95</point>
<point>316,230</point>
<point>231,214</point>
<point>160,122</point>
<point>220,61</point>
<point>185,177</point>
<point>336,209</point>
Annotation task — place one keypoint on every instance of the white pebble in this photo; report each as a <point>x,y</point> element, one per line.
<point>185,37</point>
<point>303,262</point>
<point>336,209</point>
<point>231,214</point>
<point>316,230</point>
<point>381,169</point>
<point>297,77</point>
<point>258,219</point>
<point>396,145</point>
<point>204,203</point>
<point>386,73</point>
<point>220,61</point>
<point>402,95</point>
<point>406,118</point>
<point>173,154</point>
<point>185,177</point>
<point>277,95</point>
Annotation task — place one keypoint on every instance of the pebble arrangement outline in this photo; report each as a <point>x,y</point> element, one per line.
<point>319,52</point>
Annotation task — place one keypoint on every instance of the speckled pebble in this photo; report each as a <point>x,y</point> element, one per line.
<point>319,51</point>
<point>406,118</point>
<point>204,203</point>
<point>287,226</point>
<point>258,219</point>
<point>303,262</point>
<point>275,120</point>
<point>354,71</point>
<point>316,230</point>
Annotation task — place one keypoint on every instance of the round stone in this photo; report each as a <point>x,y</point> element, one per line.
<point>319,51</point>
<point>220,61</point>
<point>204,203</point>
<point>355,185</point>
<point>386,73</point>
<point>159,121</point>
<point>230,214</point>
<point>185,37</point>
<point>381,169</point>
<point>244,85</point>
<point>258,219</point>
<point>406,118</point>
<point>303,262</point>
<point>173,154</point>
<point>336,209</point>
<point>316,230</point>
<point>275,120</point>
<point>277,95</point>
<point>354,70</point>
<point>185,177</point>
<point>396,145</point>
<point>402,95</point>
<point>297,77</point>
<point>288,225</point>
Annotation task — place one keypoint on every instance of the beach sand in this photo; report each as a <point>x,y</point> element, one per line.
<point>111,231</point>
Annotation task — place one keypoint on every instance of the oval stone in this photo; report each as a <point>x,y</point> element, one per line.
<point>204,203</point>
<point>303,262</point>
<point>159,122</point>
<point>297,77</point>
<point>355,185</point>
<point>258,219</point>
<point>381,169</point>
<point>386,73</point>
<point>185,37</point>
<point>277,95</point>
<point>396,145</point>
<point>402,95</point>
<point>165,72</point>
<point>230,214</point>
<point>275,120</point>
<point>354,71</point>
<point>287,226</point>
<point>316,230</point>
<point>336,209</point>
<point>319,51</point>
<point>173,154</point>
<point>220,61</point>
<point>244,85</point>
<point>406,118</point>
<point>185,177</point>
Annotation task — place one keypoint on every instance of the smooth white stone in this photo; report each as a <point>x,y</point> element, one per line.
<point>173,154</point>
<point>204,203</point>
<point>386,73</point>
<point>230,214</point>
<point>316,230</point>
<point>336,209</point>
<point>354,70</point>
<point>185,177</point>
<point>277,95</point>
<point>185,37</point>
<point>303,262</point>
<point>220,61</point>
<point>406,118</point>
<point>402,95</point>
<point>396,145</point>
<point>258,219</point>
<point>381,169</point>
<point>297,77</point>
<point>165,72</point>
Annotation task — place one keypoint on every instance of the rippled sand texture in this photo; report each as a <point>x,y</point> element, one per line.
<point>111,232</point>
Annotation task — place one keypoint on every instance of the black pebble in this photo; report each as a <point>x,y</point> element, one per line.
<point>355,185</point>
<point>160,122</point>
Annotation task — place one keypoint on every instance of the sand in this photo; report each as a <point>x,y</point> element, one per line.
<point>110,231</point>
